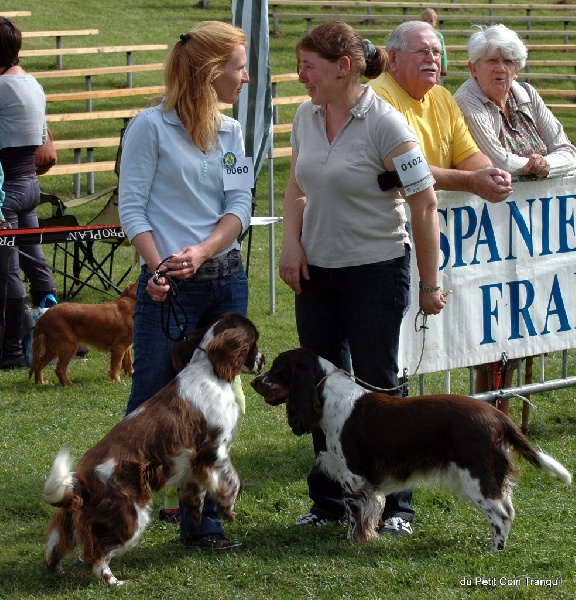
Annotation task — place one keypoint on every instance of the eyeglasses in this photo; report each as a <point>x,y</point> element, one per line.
<point>494,62</point>
<point>423,53</point>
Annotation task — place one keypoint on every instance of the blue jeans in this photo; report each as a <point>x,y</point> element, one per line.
<point>20,210</point>
<point>363,305</point>
<point>203,303</point>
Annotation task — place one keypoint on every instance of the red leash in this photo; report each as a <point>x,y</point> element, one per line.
<point>499,373</point>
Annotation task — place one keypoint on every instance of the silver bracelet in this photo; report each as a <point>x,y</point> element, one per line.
<point>428,288</point>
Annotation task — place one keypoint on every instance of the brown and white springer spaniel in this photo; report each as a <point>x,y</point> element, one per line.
<point>179,437</point>
<point>378,444</point>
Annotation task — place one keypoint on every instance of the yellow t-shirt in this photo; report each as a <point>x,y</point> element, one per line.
<point>437,121</point>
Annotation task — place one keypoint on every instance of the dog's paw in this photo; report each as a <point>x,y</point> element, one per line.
<point>229,515</point>
<point>52,568</point>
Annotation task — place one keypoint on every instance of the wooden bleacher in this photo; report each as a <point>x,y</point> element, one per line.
<point>91,165</point>
<point>89,95</point>
<point>57,120</point>
<point>369,5</point>
<point>540,71</point>
<point>371,12</point>
<point>530,47</point>
<point>279,100</point>
<point>60,52</point>
<point>13,14</point>
<point>90,144</point>
<point>58,34</point>
<point>450,34</point>
<point>309,18</point>
<point>90,72</point>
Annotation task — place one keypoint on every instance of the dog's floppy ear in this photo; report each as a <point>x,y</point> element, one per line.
<point>228,351</point>
<point>304,409</point>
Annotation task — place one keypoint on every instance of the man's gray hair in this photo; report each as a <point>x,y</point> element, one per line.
<point>397,39</point>
<point>487,40</point>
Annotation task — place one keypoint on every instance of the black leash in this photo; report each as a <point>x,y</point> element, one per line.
<point>170,308</point>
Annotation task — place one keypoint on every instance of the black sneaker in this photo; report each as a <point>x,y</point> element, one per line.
<point>211,541</point>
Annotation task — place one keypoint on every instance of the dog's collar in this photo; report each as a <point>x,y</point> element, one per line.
<point>197,347</point>
<point>333,373</point>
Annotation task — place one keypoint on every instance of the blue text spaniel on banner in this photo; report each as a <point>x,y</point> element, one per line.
<point>511,267</point>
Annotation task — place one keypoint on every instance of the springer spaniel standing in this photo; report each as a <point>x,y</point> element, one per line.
<point>179,437</point>
<point>378,444</point>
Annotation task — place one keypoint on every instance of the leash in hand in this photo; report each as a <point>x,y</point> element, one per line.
<point>171,308</point>
<point>423,327</point>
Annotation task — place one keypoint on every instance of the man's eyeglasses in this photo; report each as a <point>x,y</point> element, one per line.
<point>424,52</point>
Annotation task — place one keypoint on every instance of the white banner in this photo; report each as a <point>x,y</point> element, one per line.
<point>511,268</point>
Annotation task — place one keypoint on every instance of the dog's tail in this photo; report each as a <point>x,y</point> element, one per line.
<point>38,351</point>
<point>539,459</point>
<point>59,487</point>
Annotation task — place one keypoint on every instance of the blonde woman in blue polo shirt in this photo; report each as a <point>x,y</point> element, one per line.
<point>174,205</point>
<point>346,248</point>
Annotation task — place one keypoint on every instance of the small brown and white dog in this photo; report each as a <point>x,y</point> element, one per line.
<point>179,437</point>
<point>106,327</point>
<point>378,444</point>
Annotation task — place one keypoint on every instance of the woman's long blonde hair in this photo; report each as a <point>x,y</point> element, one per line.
<point>192,66</point>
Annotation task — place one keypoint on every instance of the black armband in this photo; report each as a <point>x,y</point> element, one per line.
<point>389,180</point>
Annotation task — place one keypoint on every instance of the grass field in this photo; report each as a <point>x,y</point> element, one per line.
<point>279,561</point>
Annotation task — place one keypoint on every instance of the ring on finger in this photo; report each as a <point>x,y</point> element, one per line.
<point>184,264</point>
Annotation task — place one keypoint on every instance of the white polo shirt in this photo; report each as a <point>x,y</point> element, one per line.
<point>348,219</point>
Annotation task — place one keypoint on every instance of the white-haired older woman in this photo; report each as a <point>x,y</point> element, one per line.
<point>509,120</point>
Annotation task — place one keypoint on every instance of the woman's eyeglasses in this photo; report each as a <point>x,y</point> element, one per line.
<point>493,62</point>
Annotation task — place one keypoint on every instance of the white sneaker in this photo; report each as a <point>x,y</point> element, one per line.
<point>396,526</point>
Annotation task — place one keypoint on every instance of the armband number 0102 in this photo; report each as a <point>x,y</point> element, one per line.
<point>413,171</point>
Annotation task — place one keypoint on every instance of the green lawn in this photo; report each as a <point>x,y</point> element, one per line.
<point>279,561</point>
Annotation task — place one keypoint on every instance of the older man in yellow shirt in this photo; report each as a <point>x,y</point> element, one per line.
<point>410,86</point>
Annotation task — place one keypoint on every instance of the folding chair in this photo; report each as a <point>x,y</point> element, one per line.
<point>59,219</point>
<point>92,260</point>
